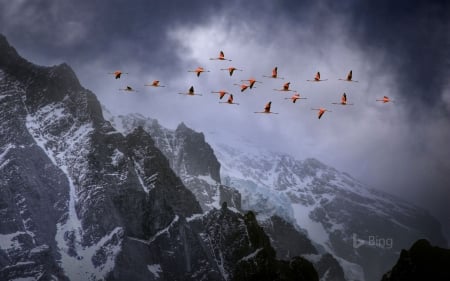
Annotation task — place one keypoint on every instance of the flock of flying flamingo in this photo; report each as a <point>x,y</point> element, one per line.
<point>250,84</point>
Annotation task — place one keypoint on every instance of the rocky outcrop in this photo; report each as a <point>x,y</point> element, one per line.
<point>421,262</point>
<point>189,155</point>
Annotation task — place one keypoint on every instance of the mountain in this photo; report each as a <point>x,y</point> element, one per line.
<point>363,228</point>
<point>185,147</point>
<point>306,207</point>
<point>421,262</point>
<point>189,155</point>
<point>82,201</point>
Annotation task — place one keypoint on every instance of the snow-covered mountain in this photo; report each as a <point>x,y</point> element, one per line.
<point>82,201</point>
<point>340,215</point>
<point>364,228</point>
<point>186,148</point>
<point>191,158</point>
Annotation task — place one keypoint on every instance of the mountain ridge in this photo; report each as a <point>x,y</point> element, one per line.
<point>333,203</point>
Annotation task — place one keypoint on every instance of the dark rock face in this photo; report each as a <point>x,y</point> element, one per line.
<point>242,251</point>
<point>151,163</point>
<point>329,269</point>
<point>196,155</point>
<point>421,262</point>
<point>30,185</point>
<point>70,184</point>
<point>231,196</point>
<point>287,240</point>
<point>189,155</point>
<point>290,242</point>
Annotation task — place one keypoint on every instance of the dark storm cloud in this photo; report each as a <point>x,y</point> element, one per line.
<point>413,35</point>
<point>104,27</point>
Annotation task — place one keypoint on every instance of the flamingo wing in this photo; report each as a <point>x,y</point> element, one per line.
<point>275,72</point>
<point>230,99</point>
<point>317,77</point>
<point>267,107</point>
<point>344,99</point>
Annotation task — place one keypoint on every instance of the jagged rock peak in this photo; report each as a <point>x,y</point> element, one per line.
<point>422,262</point>
<point>197,153</point>
<point>6,49</point>
<point>10,60</point>
<point>64,72</point>
<point>183,127</point>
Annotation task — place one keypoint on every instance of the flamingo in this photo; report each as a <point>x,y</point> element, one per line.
<point>274,74</point>
<point>221,93</point>
<point>343,101</point>
<point>220,57</point>
<point>231,69</point>
<point>317,78</point>
<point>295,97</point>
<point>229,101</point>
<point>117,73</point>
<point>321,111</point>
<point>155,83</point>
<point>190,92</point>
<point>251,82</point>
<point>385,99</point>
<point>285,88</point>
<point>243,87</point>
<point>198,70</point>
<point>349,77</point>
<point>128,89</point>
<point>267,109</point>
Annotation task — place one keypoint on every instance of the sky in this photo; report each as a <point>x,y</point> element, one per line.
<point>395,48</point>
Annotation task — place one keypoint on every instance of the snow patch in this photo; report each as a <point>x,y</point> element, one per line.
<point>251,256</point>
<point>137,170</point>
<point>352,271</point>
<point>165,230</point>
<point>208,179</point>
<point>215,199</point>
<point>315,229</point>
<point>159,233</point>
<point>195,217</point>
<point>6,149</point>
<point>116,157</point>
<point>7,241</point>
<point>155,269</point>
